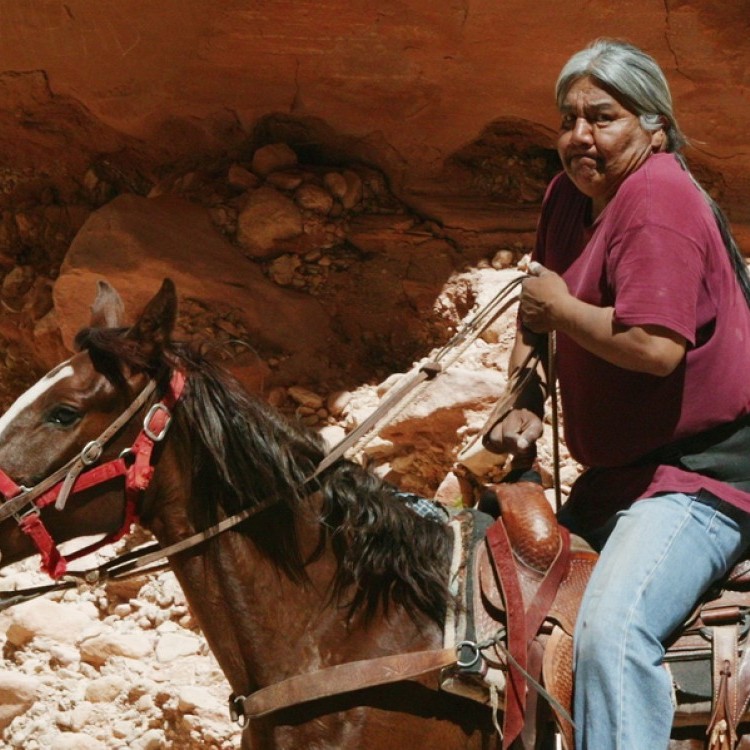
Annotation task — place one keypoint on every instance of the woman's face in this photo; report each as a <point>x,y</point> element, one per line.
<point>601,142</point>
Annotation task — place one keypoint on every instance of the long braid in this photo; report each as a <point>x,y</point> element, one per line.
<point>736,258</point>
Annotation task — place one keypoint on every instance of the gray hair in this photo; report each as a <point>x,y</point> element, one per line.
<point>636,79</point>
<point>633,76</point>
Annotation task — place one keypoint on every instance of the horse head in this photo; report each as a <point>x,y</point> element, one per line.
<point>81,414</point>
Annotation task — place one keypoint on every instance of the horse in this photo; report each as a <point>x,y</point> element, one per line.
<point>325,570</point>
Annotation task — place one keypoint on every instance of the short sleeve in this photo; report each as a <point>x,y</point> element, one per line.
<point>656,261</point>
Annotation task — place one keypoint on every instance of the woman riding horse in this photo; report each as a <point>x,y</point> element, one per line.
<point>637,273</point>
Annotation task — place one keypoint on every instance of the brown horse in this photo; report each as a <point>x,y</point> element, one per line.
<point>328,568</point>
<point>331,571</point>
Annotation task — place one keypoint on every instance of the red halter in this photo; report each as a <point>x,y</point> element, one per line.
<point>137,471</point>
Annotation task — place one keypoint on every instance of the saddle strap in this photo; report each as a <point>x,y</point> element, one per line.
<point>541,604</point>
<point>721,730</point>
<point>515,686</point>
<point>523,622</point>
<point>337,680</point>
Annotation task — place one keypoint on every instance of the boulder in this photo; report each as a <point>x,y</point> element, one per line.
<point>42,618</point>
<point>17,693</point>
<point>135,242</point>
<point>267,216</point>
<point>272,158</point>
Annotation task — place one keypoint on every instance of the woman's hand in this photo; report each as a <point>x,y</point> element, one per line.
<point>543,296</point>
<point>516,434</point>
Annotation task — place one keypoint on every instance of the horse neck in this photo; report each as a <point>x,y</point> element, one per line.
<point>262,625</point>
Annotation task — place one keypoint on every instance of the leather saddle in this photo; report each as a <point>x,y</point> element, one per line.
<point>524,581</point>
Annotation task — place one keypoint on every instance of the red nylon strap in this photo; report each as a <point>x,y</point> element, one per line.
<point>53,562</point>
<point>140,472</point>
<point>92,477</point>
<point>7,486</point>
<point>515,687</point>
<point>137,478</point>
<point>138,475</point>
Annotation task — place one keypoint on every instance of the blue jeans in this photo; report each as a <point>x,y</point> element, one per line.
<point>661,555</point>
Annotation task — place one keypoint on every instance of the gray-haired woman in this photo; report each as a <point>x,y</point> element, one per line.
<point>639,275</point>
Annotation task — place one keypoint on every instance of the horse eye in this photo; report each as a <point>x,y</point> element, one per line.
<point>64,416</point>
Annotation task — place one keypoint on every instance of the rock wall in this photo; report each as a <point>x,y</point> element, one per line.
<point>405,85</point>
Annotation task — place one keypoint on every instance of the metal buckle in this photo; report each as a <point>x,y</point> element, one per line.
<point>91,452</point>
<point>237,710</point>
<point>21,515</point>
<point>156,437</point>
<point>475,654</point>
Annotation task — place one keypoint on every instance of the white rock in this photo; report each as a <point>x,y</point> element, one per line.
<point>98,649</point>
<point>190,698</point>
<point>337,402</point>
<point>17,694</point>
<point>64,654</point>
<point>378,447</point>
<point>153,739</point>
<point>173,646</point>
<point>105,689</point>
<point>332,435</point>
<point>80,716</point>
<point>395,378</point>
<point>503,259</point>
<point>144,703</point>
<point>76,741</point>
<point>478,460</point>
<point>456,389</point>
<point>121,729</point>
<point>44,618</point>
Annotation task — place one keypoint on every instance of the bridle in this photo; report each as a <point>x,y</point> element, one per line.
<point>83,472</point>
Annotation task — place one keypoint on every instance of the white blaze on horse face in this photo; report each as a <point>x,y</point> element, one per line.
<point>59,373</point>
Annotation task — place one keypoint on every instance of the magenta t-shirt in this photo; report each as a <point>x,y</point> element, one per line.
<point>655,254</point>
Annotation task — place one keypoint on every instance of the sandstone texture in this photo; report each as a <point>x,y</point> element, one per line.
<point>414,87</point>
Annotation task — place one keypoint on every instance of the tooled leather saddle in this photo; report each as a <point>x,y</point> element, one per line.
<point>522,589</point>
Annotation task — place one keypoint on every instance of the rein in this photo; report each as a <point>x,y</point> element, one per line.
<point>79,474</point>
<point>428,371</point>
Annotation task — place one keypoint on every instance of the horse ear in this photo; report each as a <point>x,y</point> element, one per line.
<point>153,330</point>
<point>107,310</point>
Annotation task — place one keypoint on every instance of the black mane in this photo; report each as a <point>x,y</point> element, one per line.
<point>244,452</point>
